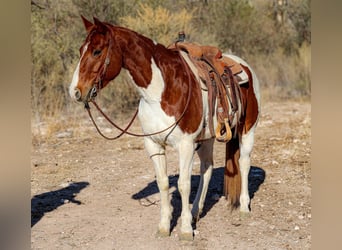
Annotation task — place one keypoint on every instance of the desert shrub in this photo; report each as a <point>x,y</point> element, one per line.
<point>53,50</point>
<point>159,23</point>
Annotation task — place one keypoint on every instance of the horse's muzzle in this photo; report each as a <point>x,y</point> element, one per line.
<point>76,94</point>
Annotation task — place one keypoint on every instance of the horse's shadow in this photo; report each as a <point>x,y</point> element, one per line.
<point>49,201</point>
<point>215,190</point>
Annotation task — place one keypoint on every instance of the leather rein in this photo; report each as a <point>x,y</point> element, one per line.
<point>93,92</point>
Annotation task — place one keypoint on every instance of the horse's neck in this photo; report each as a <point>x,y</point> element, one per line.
<point>137,52</point>
<point>139,62</point>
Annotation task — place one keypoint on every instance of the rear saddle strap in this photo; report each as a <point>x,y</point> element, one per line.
<point>219,74</point>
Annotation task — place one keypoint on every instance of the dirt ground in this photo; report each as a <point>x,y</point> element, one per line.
<point>90,193</point>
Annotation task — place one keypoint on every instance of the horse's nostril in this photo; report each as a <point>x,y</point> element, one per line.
<point>78,94</point>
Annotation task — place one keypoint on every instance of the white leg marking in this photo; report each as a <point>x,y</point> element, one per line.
<point>246,147</point>
<point>205,153</point>
<point>186,149</point>
<point>157,154</point>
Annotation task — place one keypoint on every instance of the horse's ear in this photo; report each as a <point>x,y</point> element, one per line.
<point>87,24</point>
<point>101,27</point>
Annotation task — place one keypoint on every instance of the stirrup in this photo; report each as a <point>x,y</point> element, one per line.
<point>227,133</point>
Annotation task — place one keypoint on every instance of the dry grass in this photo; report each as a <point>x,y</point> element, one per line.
<point>282,76</point>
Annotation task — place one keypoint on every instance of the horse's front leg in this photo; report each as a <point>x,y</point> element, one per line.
<point>186,153</point>
<point>157,154</point>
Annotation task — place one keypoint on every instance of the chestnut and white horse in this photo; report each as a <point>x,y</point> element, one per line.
<point>171,93</point>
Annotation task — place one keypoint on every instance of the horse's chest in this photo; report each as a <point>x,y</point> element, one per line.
<point>153,119</point>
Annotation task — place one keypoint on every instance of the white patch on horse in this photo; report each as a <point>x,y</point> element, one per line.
<point>152,116</point>
<point>75,77</point>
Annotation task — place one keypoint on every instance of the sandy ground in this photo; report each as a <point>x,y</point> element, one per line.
<point>90,193</point>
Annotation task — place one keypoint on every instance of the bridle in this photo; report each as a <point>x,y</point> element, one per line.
<point>93,93</point>
<point>99,77</point>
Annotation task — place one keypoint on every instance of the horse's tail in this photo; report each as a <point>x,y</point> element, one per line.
<point>232,175</point>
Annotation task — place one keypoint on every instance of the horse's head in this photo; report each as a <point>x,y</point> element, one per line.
<point>100,61</point>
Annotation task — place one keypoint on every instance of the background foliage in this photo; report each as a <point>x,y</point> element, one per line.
<point>275,39</point>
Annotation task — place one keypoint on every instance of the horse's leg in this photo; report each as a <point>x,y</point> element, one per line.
<point>157,154</point>
<point>246,147</point>
<point>205,153</point>
<point>186,150</point>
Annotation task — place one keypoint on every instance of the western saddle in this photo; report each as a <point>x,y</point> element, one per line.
<point>221,78</point>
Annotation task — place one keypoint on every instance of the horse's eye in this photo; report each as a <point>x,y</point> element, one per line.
<point>96,52</point>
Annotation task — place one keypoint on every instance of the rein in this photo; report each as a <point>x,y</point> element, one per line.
<point>125,130</point>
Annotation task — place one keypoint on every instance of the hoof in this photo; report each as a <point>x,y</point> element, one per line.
<point>186,236</point>
<point>195,218</point>
<point>244,215</point>
<point>162,233</point>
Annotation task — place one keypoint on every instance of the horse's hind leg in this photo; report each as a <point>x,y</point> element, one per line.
<point>205,153</point>
<point>157,154</point>
<point>246,147</point>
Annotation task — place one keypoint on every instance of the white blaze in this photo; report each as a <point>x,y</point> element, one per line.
<point>73,85</point>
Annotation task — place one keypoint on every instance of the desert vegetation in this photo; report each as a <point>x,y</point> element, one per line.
<point>273,36</point>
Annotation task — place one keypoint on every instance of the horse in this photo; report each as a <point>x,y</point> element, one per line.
<point>173,111</point>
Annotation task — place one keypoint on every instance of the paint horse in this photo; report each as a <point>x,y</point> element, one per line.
<point>171,94</point>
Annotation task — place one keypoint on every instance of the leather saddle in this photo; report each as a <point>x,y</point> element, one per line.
<point>221,76</point>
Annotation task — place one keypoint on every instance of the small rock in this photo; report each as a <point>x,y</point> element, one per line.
<point>108,130</point>
<point>65,201</point>
<point>64,185</point>
<point>275,162</point>
<point>296,228</point>
<point>64,134</point>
